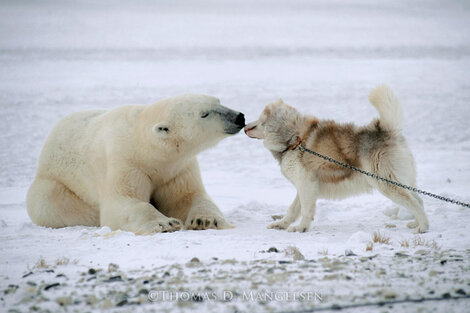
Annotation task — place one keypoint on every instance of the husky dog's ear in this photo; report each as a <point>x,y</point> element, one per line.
<point>162,129</point>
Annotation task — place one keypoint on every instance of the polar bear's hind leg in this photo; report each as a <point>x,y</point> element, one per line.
<point>51,204</point>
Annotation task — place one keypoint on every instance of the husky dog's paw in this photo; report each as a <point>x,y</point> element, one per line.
<point>418,228</point>
<point>299,228</point>
<point>278,225</point>
<point>421,229</point>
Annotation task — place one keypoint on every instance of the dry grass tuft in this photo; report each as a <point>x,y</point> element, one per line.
<point>295,253</point>
<point>41,263</point>
<point>379,238</point>
<point>433,244</point>
<point>370,246</point>
<point>420,241</point>
<point>62,261</point>
<point>323,252</point>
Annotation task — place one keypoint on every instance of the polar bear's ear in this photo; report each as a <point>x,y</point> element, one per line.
<point>161,129</point>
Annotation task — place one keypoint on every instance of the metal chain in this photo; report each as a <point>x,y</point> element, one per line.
<point>381,178</point>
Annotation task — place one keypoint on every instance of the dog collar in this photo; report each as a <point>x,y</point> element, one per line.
<point>295,145</point>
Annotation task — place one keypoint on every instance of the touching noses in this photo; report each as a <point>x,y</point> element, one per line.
<point>249,127</point>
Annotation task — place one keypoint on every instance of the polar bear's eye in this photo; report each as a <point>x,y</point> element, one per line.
<point>205,114</point>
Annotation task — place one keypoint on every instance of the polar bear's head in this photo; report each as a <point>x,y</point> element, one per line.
<point>191,123</point>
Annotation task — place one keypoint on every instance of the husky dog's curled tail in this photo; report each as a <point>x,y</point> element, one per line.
<point>385,101</point>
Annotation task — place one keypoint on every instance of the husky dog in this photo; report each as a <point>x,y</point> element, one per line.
<point>379,148</point>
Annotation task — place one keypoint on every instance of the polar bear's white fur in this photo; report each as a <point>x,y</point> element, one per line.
<point>133,168</point>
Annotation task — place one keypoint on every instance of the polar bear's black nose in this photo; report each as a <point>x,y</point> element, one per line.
<point>240,120</point>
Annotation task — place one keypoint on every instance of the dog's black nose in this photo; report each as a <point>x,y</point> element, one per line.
<point>240,120</point>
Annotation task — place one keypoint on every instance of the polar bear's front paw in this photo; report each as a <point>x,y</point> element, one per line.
<point>169,225</point>
<point>161,225</point>
<point>207,221</point>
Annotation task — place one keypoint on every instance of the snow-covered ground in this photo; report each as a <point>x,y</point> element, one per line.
<point>320,56</point>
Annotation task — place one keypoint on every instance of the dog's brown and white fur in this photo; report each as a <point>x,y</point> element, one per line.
<point>378,147</point>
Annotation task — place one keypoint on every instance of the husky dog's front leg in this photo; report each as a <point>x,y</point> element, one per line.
<point>307,197</point>
<point>291,216</point>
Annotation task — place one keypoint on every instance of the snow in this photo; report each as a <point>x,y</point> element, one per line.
<point>322,57</point>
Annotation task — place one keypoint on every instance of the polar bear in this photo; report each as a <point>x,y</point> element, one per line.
<point>133,168</point>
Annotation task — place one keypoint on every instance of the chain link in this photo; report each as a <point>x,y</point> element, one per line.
<point>381,178</point>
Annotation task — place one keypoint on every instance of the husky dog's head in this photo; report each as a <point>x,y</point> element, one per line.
<point>278,126</point>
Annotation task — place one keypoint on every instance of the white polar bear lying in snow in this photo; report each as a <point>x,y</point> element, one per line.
<point>133,168</point>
